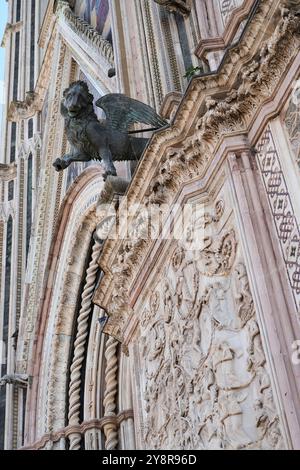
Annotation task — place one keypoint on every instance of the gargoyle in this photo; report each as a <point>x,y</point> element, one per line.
<point>19,380</point>
<point>108,139</point>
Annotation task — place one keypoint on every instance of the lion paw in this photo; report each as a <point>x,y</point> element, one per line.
<point>109,173</point>
<point>59,164</point>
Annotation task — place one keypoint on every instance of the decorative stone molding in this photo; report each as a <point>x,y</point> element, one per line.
<point>81,429</point>
<point>170,105</point>
<point>282,210</point>
<point>167,169</point>
<point>181,6</point>
<point>56,4</point>
<point>270,293</point>
<point>49,402</point>
<point>238,15</point>
<point>85,31</point>
<point>48,22</point>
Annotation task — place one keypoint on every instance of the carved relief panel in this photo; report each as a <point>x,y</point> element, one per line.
<point>205,382</point>
<point>292,121</point>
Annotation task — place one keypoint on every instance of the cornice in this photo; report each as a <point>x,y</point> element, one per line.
<point>249,76</point>
<point>170,104</point>
<point>238,15</point>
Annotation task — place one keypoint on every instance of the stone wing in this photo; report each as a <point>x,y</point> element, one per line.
<point>122,111</point>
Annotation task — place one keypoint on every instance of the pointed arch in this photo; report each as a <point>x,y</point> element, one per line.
<point>53,331</point>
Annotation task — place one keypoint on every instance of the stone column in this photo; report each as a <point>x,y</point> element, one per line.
<point>109,402</point>
<point>80,343</point>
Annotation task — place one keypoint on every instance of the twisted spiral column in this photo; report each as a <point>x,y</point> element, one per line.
<point>79,346</point>
<point>109,402</point>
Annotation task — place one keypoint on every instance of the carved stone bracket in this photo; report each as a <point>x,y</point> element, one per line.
<point>24,109</point>
<point>181,6</point>
<point>8,172</point>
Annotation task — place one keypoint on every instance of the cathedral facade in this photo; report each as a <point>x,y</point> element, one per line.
<point>159,308</point>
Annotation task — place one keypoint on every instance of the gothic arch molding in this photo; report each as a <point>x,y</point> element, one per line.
<point>76,223</point>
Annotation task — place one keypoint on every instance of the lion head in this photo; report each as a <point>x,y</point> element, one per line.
<point>77,99</point>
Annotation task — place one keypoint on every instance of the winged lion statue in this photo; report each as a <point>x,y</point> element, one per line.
<point>107,139</point>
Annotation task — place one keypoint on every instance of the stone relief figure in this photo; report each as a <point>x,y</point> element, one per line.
<point>267,421</point>
<point>216,298</point>
<point>223,357</point>
<point>216,256</point>
<point>255,349</point>
<point>231,415</point>
<point>243,298</point>
<point>107,140</point>
<point>168,302</point>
